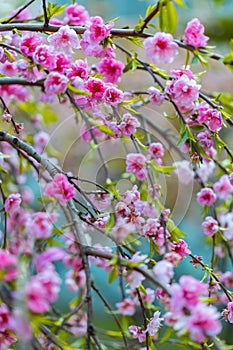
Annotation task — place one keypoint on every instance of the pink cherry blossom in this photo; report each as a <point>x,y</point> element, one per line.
<point>228,313</point>
<point>24,14</point>
<point>184,91</point>
<point>161,48</point>
<point>96,87</point>
<point>194,33</point>
<point>40,140</point>
<point>129,124</point>
<point>51,254</point>
<point>181,248</point>
<point>203,322</point>
<point>101,201</point>
<point>30,73</point>
<point>183,171</point>
<point>6,339</point>
<point>62,62</point>
<point>60,188</point>
<point>4,317</point>
<point>44,57</point>
<point>80,69</point>
<point>154,324</point>
<point>137,333</point>
<point>156,96</point>
<point>40,225</point>
<point>76,15</point>
<point>55,83</point>
<point>126,307</point>
<point>206,197</point>
<point>111,69</point>
<point>8,69</point>
<point>156,150</point>
<point>163,270</point>
<point>65,39</point>
<point>210,226</point>
<point>29,44</point>
<point>112,95</point>
<point>223,187</point>
<point>205,139</point>
<point>136,163</point>
<point>12,203</point>
<point>186,294</point>
<point>96,30</point>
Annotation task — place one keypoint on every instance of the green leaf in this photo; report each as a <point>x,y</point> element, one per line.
<point>105,129</point>
<point>175,231</point>
<point>166,336</point>
<point>162,17</point>
<point>172,17</point>
<point>180,3</point>
<point>164,169</point>
<point>49,116</point>
<point>55,10</point>
<point>78,91</point>
<point>113,274</point>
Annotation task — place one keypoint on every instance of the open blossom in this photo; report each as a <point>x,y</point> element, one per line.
<point>76,15</point>
<point>156,96</point>
<point>183,171</point>
<point>136,163</point>
<point>64,39</point>
<point>194,33</point>
<point>161,48</point>
<point>111,69</point>
<point>203,321</point>
<point>55,83</point>
<point>184,91</point>
<point>96,30</point>
<point>154,324</point>
<point>79,68</point>
<point>51,254</point>
<point>12,203</point>
<point>44,57</point>
<point>206,196</point>
<point>40,225</point>
<point>29,44</point>
<point>126,307</point>
<point>112,95</point>
<point>156,150</point>
<point>8,264</point>
<point>210,226</point>
<point>228,312</point>
<point>223,187</point>
<point>96,87</point>
<point>209,115</point>
<point>163,270</point>
<point>60,188</point>
<point>129,124</point>
<point>137,333</point>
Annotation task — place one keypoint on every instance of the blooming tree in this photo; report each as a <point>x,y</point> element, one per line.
<point>64,60</point>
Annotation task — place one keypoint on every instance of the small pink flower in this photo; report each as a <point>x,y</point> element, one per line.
<point>96,87</point>
<point>64,39</point>
<point>163,270</point>
<point>137,333</point>
<point>184,91</point>
<point>36,296</point>
<point>136,163</point>
<point>76,15</point>
<point>154,324</point>
<point>12,202</point>
<point>80,69</point>
<point>51,254</point>
<point>9,69</point>
<point>55,83</point>
<point>156,96</point>
<point>96,30</point>
<point>112,96</point>
<point>129,124</point>
<point>126,307</point>
<point>229,312</point>
<point>203,322</point>
<point>194,33</point>
<point>156,150</point>
<point>210,226</point>
<point>161,48</point>
<point>180,248</point>
<point>206,197</point>
<point>223,187</point>
<point>205,139</point>
<point>29,44</point>
<point>184,172</point>
<point>62,62</point>
<point>44,57</point>
<point>40,140</point>
<point>60,188</point>
<point>111,69</point>
<point>41,224</point>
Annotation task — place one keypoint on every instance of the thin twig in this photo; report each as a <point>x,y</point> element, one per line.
<point>18,12</point>
<point>46,20</point>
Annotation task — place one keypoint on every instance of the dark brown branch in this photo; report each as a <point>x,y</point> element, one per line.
<point>46,20</point>
<point>149,17</point>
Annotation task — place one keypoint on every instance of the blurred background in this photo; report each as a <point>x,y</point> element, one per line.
<point>217,16</point>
